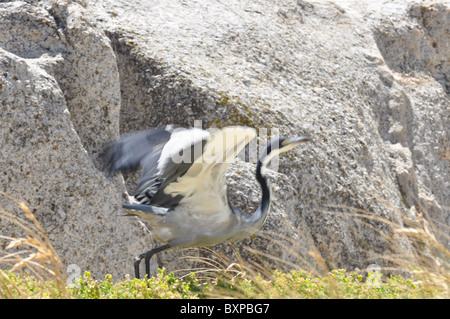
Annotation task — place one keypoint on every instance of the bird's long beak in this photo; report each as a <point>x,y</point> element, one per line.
<point>286,145</point>
<point>299,140</point>
<point>290,143</point>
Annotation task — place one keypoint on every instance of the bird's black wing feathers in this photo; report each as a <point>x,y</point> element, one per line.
<point>136,150</point>
<point>167,157</point>
<point>131,151</point>
<point>155,178</point>
<point>145,149</point>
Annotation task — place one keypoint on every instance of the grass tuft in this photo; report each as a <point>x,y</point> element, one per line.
<point>35,271</point>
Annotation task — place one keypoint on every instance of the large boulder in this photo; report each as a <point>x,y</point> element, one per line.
<point>368,81</point>
<point>60,100</point>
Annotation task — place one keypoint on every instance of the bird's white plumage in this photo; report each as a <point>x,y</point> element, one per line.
<point>203,186</point>
<point>182,139</point>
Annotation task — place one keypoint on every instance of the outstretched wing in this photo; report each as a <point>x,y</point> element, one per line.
<point>174,160</point>
<point>181,166</point>
<point>202,188</point>
<point>137,149</point>
<point>163,153</point>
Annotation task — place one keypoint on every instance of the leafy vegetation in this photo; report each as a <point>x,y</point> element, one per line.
<point>37,273</point>
<point>296,284</point>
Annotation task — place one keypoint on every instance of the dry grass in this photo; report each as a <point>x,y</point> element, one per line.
<point>421,270</point>
<point>32,254</point>
<point>36,271</point>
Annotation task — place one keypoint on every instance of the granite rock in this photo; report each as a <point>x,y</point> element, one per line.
<point>367,79</point>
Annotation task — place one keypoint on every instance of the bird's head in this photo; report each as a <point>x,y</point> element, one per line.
<point>285,144</point>
<point>282,144</point>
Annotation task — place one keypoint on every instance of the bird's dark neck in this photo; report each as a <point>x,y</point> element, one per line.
<point>265,200</point>
<point>261,212</point>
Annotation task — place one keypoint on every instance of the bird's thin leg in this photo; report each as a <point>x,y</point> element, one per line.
<point>137,261</point>
<point>147,257</point>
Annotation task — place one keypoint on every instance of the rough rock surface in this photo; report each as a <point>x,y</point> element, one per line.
<point>60,100</point>
<point>368,79</point>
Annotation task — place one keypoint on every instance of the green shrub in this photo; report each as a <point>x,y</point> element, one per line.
<point>163,286</point>
<point>37,272</point>
<point>296,284</point>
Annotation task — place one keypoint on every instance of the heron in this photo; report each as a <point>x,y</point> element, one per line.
<point>182,193</point>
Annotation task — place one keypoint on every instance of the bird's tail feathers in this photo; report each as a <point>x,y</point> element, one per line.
<point>145,212</point>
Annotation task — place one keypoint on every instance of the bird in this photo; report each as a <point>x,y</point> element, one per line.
<point>182,193</point>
